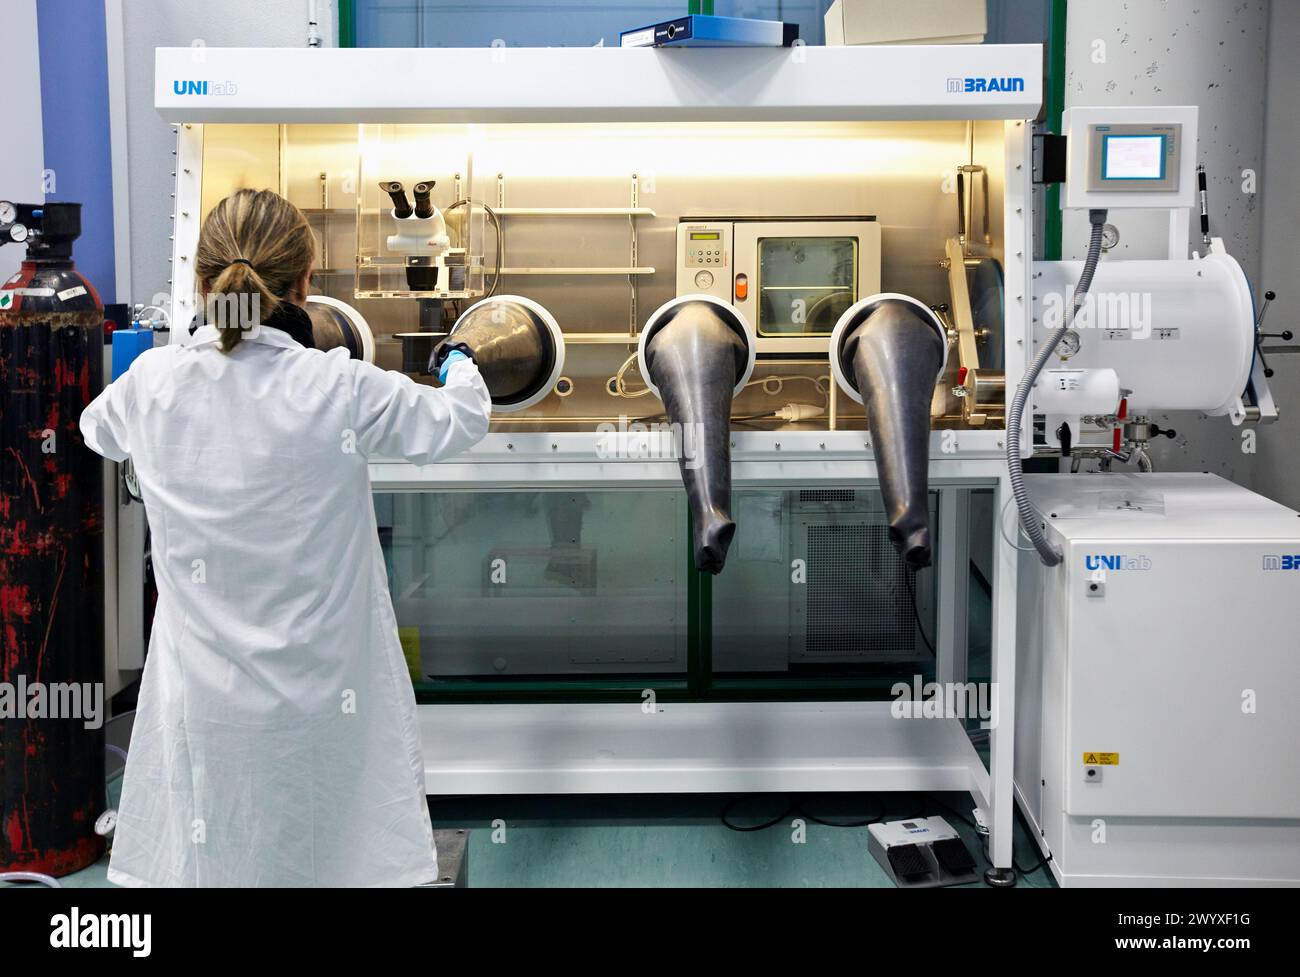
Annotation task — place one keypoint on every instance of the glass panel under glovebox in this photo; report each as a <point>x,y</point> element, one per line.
<point>558,584</point>
<point>814,590</point>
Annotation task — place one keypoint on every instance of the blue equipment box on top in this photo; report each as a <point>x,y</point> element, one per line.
<point>128,344</point>
<point>699,30</point>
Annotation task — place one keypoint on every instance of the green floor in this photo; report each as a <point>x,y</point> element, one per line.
<point>677,840</point>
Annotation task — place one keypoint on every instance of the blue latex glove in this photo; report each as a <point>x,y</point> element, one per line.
<point>455,356</point>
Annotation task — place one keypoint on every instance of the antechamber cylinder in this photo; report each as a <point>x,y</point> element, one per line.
<point>1179,334</point>
<point>696,353</point>
<point>517,345</point>
<point>887,352</point>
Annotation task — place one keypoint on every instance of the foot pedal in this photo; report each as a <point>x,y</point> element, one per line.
<point>908,863</point>
<point>921,853</point>
<point>953,857</point>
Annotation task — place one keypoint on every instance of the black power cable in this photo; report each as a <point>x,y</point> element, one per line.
<point>874,819</point>
<point>794,808</point>
<point>763,826</point>
<point>909,575</point>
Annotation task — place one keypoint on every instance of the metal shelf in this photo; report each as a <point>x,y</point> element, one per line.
<point>570,338</point>
<point>574,212</point>
<point>406,293</point>
<point>577,271</point>
<point>493,749</point>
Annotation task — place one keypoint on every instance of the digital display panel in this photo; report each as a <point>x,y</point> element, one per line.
<point>1133,157</point>
<point>706,235</point>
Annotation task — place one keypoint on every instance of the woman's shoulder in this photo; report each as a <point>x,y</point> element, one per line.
<point>155,359</point>
<point>332,372</point>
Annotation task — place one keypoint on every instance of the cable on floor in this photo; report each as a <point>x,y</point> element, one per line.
<point>874,819</point>
<point>794,808</point>
<point>790,809</point>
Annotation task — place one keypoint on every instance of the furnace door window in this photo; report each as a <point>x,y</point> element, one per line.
<point>805,284</point>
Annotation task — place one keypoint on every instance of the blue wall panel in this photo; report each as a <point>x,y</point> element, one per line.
<point>78,150</point>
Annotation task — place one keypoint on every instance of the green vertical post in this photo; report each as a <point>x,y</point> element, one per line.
<point>704,653</point>
<point>347,23</point>
<point>699,622</point>
<point>1056,17</point>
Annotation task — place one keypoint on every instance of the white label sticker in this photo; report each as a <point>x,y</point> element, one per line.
<point>72,293</point>
<point>639,38</point>
<point>1170,332</point>
<point>35,293</point>
<point>6,300</point>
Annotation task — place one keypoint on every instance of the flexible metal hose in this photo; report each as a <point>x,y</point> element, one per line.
<point>46,880</point>
<point>1029,521</point>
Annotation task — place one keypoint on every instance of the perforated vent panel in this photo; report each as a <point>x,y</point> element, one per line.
<point>857,598</point>
<point>827,495</point>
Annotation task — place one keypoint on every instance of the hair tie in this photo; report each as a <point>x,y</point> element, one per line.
<point>241,261</point>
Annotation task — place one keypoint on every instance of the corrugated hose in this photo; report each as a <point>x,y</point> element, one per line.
<point>1030,523</point>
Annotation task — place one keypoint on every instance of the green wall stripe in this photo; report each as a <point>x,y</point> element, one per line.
<point>1056,18</point>
<point>347,23</point>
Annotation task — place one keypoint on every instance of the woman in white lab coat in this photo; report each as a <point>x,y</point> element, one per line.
<point>275,741</point>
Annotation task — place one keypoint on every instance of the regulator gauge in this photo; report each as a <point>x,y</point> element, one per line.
<point>106,824</point>
<point>8,212</point>
<point>18,233</point>
<point>1109,237</point>
<point>1068,346</point>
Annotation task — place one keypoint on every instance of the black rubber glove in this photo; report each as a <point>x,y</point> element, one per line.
<point>445,349</point>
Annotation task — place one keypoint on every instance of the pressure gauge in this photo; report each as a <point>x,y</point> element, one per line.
<point>8,212</point>
<point>18,233</point>
<point>704,279</point>
<point>1109,237</point>
<point>1068,346</point>
<point>106,824</point>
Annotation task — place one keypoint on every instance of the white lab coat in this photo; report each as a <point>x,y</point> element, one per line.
<point>275,742</point>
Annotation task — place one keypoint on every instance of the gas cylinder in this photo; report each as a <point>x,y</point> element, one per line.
<point>51,552</point>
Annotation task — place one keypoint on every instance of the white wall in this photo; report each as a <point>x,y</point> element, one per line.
<point>1277,466</point>
<point>1207,53</point>
<point>21,160</point>
<point>150,24</point>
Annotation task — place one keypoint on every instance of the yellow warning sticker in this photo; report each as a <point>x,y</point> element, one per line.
<point>410,639</point>
<point>1101,759</point>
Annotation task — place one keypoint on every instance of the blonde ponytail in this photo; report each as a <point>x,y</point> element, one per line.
<point>254,249</point>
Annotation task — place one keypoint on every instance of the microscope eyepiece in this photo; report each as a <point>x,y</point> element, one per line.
<point>401,206</point>
<point>424,198</point>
